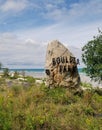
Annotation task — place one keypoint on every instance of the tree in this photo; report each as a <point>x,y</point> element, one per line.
<point>92,57</point>
<point>16,75</point>
<point>6,72</point>
<point>0,65</point>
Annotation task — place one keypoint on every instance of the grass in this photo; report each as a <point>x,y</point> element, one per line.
<point>37,107</point>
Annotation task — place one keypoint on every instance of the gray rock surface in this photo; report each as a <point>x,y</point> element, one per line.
<point>61,67</point>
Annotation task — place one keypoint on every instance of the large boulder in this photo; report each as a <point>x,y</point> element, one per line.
<point>61,66</point>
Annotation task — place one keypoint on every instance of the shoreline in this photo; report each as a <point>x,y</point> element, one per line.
<point>84,78</point>
<point>41,75</point>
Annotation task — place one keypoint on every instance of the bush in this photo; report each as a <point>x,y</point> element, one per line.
<point>92,57</point>
<point>41,108</point>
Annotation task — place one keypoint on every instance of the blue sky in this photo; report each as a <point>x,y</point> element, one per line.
<point>27,26</point>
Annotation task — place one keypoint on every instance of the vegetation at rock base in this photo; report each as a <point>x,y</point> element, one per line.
<point>92,57</point>
<point>36,107</point>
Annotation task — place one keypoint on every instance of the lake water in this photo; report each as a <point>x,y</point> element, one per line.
<point>40,73</point>
<point>37,73</point>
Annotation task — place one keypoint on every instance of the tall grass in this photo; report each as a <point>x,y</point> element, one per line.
<point>40,108</point>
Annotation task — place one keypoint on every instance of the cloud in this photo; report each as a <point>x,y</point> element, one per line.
<point>89,8</point>
<point>68,11</point>
<point>30,42</point>
<point>6,37</point>
<point>41,13</point>
<point>27,48</point>
<point>13,5</point>
<point>57,9</point>
<point>72,35</point>
<point>72,23</point>
<point>16,52</point>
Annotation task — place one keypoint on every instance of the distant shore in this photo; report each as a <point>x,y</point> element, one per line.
<point>41,74</point>
<point>84,78</point>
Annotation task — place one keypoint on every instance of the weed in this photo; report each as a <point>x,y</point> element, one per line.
<point>41,108</point>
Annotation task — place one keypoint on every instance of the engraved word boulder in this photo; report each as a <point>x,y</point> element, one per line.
<point>61,66</point>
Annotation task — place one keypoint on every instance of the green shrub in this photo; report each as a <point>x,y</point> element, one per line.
<point>30,79</point>
<point>16,89</point>
<point>41,108</point>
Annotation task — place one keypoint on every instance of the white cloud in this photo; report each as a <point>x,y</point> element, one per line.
<point>72,35</point>
<point>57,10</point>
<point>28,47</point>
<point>14,5</point>
<point>92,7</point>
<point>75,12</point>
<point>16,52</point>
<point>30,41</point>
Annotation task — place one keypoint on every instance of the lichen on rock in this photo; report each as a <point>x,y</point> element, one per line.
<point>61,66</point>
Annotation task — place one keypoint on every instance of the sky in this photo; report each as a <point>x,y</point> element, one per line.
<point>27,26</point>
